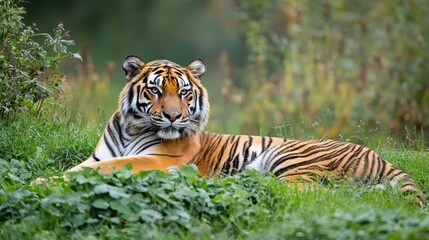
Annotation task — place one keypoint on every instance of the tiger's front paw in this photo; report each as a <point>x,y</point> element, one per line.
<point>39,180</point>
<point>42,180</point>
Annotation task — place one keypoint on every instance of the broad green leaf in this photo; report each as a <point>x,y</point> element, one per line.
<point>78,220</point>
<point>190,170</point>
<point>81,179</point>
<point>102,188</point>
<point>149,215</point>
<point>116,192</point>
<point>82,207</point>
<point>119,206</point>
<point>100,203</point>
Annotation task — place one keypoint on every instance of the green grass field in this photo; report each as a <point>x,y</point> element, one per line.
<point>183,204</point>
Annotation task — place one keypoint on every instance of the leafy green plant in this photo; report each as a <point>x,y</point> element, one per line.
<point>29,70</point>
<point>183,204</point>
<point>176,201</point>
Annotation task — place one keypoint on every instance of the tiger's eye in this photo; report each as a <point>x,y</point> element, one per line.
<point>183,92</point>
<point>154,90</point>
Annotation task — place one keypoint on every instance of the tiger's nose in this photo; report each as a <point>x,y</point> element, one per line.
<point>171,115</point>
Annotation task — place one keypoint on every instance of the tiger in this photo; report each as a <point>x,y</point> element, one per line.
<point>163,109</point>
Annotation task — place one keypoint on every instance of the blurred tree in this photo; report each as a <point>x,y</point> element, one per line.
<point>341,62</point>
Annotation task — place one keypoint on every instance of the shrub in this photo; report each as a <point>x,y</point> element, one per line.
<point>330,65</point>
<point>29,61</point>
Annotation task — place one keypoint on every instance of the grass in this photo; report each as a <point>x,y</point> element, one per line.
<point>184,204</point>
<point>47,144</point>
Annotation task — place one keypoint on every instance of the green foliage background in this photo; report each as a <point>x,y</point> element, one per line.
<point>350,60</point>
<point>323,67</point>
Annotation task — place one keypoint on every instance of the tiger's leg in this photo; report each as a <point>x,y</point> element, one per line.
<point>78,167</point>
<point>302,179</point>
<point>138,163</point>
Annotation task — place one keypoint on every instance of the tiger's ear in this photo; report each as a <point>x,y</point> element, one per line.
<point>197,67</point>
<point>132,66</point>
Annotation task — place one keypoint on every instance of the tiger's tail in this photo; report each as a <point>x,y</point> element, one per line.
<point>387,174</point>
<point>405,183</point>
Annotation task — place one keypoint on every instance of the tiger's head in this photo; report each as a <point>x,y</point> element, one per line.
<point>164,97</point>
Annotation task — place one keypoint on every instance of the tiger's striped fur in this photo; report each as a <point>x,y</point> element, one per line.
<point>163,109</point>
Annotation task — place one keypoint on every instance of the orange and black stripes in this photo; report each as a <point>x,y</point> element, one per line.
<point>293,160</point>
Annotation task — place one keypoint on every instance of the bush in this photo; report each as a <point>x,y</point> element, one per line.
<point>29,61</point>
<point>185,205</point>
<point>330,65</point>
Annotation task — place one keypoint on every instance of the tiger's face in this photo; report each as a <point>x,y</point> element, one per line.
<point>164,97</point>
